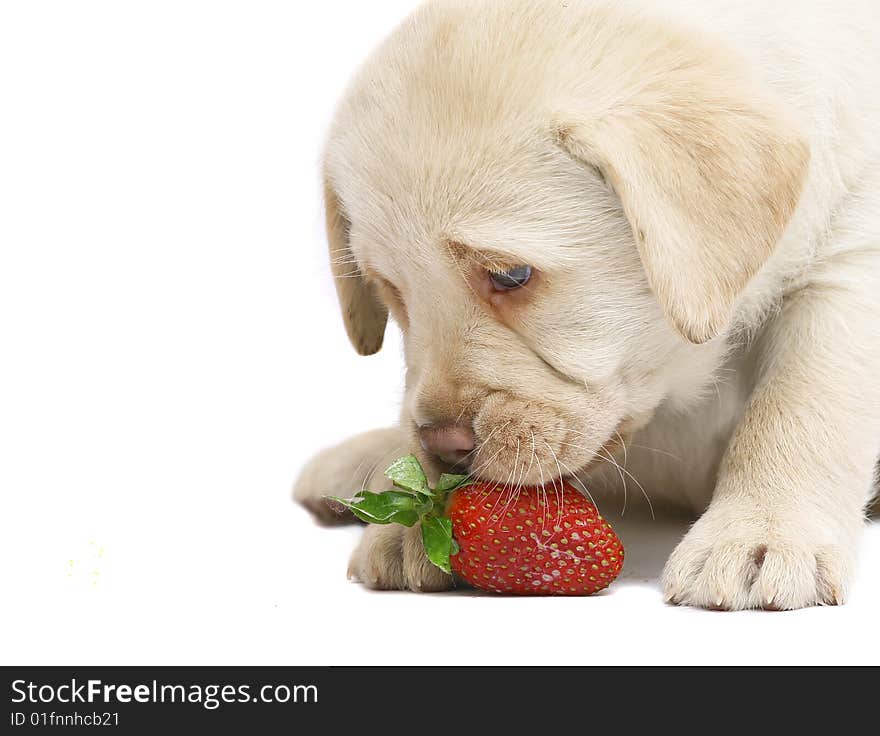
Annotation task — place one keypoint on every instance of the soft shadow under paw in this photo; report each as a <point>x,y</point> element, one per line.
<point>647,543</point>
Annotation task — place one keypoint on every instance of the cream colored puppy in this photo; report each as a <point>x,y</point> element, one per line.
<point>640,231</point>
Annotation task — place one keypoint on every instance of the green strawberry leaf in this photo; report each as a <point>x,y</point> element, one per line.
<point>438,541</point>
<point>389,507</point>
<point>449,482</point>
<point>407,473</point>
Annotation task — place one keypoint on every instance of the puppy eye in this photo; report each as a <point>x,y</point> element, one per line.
<point>512,279</point>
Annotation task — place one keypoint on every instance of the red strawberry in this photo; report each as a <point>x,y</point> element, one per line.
<point>532,542</point>
<point>527,541</point>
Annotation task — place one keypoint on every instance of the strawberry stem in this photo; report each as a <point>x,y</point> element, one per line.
<point>412,501</point>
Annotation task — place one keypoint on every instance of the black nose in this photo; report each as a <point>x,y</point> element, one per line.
<point>452,443</point>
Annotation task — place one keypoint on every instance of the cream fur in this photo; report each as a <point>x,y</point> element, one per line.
<point>698,185</point>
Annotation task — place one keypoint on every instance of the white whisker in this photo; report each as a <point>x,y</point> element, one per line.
<point>635,480</point>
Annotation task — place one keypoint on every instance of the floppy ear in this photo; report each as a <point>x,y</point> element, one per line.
<point>364,314</point>
<point>708,169</point>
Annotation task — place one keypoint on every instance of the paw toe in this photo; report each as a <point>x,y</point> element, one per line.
<point>787,579</point>
<point>377,562</point>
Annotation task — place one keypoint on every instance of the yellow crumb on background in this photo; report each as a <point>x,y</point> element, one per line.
<point>88,560</point>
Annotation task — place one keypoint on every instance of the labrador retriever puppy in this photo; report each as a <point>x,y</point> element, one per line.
<point>625,241</point>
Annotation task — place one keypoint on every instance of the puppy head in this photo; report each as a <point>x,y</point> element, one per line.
<point>560,208</point>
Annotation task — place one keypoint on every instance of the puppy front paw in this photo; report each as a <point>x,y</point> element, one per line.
<point>732,559</point>
<point>345,469</point>
<point>393,558</point>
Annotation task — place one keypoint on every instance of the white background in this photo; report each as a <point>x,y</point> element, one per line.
<point>172,354</point>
